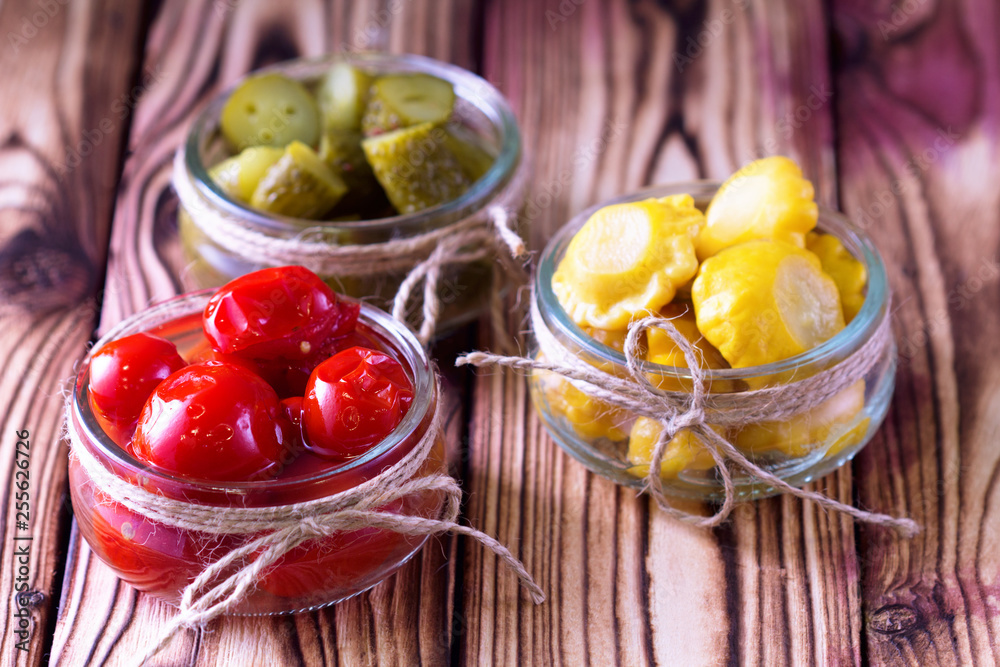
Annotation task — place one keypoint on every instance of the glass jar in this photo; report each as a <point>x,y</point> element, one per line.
<point>480,111</point>
<point>797,450</point>
<point>162,559</point>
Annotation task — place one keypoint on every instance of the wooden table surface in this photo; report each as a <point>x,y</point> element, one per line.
<point>893,109</point>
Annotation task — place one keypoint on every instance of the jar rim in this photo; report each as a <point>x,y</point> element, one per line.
<point>468,86</point>
<point>847,340</point>
<point>411,353</point>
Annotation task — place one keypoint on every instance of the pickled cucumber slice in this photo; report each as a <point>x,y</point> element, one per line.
<point>298,185</point>
<point>226,175</point>
<point>763,301</point>
<point>342,95</point>
<point>849,274</point>
<point>415,168</point>
<point>269,110</point>
<point>239,175</point>
<point>341,151</point>
<point>404,100</point>
<point>469,152</point>
<point>628,260</point>
<point>768,198</point>
<point>685,452</point>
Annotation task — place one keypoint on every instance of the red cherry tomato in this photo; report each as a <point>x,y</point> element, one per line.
<point>285,312</point>
<point>206,353</point>
<point>213,420</point>
<point>353,400</point>
<point>153,557</point>
<point>150,557</point>
<point>339,562</point>
<point>123,374</point>
<point>292,407</point>
<point>289,377</point>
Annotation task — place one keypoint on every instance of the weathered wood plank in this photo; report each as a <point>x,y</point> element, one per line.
<point>612,97</point>
<point>61,129</point>
<point>199,48</point>
<point>917,119</point>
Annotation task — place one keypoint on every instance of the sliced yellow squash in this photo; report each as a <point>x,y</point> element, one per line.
<point>848,273</point>
<point>628,260</point>
<point>685,451</point>
<point>764,301</point>
<point>767,199</point>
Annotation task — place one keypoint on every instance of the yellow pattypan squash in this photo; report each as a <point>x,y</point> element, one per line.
<point>763,301</point>
<point>833,424</point>
<point>767,199</point>
<point>661,349</point>
<point>684,452</point>
<point>628,260</point>
<point>848,273</point>
<point>589,417</point>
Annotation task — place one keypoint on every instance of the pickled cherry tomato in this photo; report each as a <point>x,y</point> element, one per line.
<point>353,400</point>
<point>290,376</point>
<point>123,374</point>
<point>292,407</point>
<point>280,313</point>
<point>213,420</point>
<point>335,562</point>
<point>206,353</point>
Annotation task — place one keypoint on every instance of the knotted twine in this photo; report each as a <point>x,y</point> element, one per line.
<point>279,529</point>
<point>423,256</point>
<point>697,409</point>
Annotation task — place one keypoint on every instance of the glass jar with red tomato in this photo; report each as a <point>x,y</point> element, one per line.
<point>377,379</point>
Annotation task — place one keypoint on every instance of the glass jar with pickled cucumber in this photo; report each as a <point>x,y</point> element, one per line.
<point>345,154</point>
<point>798,294</point>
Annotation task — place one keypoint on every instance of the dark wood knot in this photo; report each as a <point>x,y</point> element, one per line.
<point>32,599</point>
<point>894,619</point>
<point>44,273</point>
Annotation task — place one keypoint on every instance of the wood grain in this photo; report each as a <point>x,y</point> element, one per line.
<point>612,97</point>
<point>918,118</point>
<point>60,138</point>
<point>197,49</point>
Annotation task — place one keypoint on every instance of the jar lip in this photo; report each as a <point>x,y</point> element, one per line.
<point>468,86</point>
<point>849,339</point>
<point>412,355</point>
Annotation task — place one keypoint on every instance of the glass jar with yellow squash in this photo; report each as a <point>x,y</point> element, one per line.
<point>766,286</point>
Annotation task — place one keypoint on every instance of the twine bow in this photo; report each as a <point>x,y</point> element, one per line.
<point>276,530</point>
<point>422,256</point>
<point>697,409</point>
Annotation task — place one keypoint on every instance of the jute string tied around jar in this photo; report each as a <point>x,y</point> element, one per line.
<point>697,409</point>
<point>487,233</point>
<point>279,529</point>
